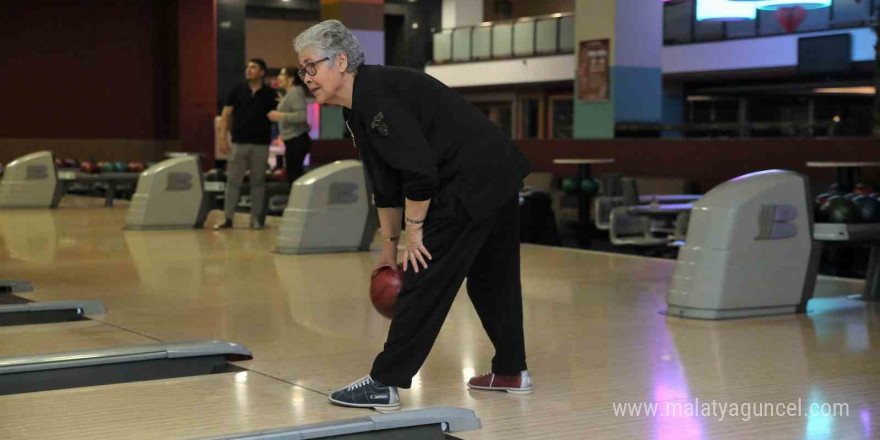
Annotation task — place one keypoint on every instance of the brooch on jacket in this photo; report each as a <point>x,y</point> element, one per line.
<point>378,124</point>
<point>352,135</point>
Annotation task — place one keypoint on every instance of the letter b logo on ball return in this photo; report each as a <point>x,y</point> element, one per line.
<point>342,193</point>
<point>179,182</point>
<point>37,172</point>
<point>774,222</point>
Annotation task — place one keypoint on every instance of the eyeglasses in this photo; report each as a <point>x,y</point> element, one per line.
<point>310,68</point>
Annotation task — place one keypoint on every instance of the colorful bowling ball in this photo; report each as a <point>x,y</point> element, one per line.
<point>384,288</point>
<point>862,189</point>
<point>835,188</point>
<point>59,163</point>
<point>850,196</point>
<point>570,185</point>
<point>589,185</point>
<point>88,167</point>
<point>108,167</point>
<point>839,209</point>
<point>875,195</point>
<point>279,175</point>
<point>121,167</point>
<point>822,198</point>
<point>868,208</point>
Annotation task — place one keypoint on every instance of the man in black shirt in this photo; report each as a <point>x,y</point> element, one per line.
<point>247,106</point>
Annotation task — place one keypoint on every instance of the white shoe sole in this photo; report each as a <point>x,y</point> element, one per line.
<point>391,407</point>
<point>520,391</point>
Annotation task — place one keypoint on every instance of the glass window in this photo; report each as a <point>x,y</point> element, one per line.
<point>741,29</point>
<point>566,34</point>
<point>708,30</point>
<point>546,36</point>
<point>461,44</point>
<point>562,117</point>
<point>677,22</point>
<point>524,38</point>
<point>531,121</point>
<point>443,47</point>
<point>851,12</point>
<point>482,42</point>
<point>502,40</point>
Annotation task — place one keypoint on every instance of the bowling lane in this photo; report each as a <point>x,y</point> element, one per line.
<point>64,336</point>
<point>185,408</point>
<point>594,335</point>
<point>821,358</point>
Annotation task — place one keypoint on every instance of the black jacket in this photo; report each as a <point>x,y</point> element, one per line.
<point>420,140</point>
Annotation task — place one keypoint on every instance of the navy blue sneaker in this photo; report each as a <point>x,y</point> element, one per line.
<point>367,393</point>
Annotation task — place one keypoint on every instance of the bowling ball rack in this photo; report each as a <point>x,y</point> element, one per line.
<point>854,234</point>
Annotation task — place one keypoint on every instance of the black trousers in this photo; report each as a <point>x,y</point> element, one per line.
<point>488,254</point>
<point>295,150</point>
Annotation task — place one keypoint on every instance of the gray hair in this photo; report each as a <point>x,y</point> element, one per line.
<point>331,38</point>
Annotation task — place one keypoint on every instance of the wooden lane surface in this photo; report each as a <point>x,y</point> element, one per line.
<point>64,336</point>
<point>183,408</point>
<point>594,335</point>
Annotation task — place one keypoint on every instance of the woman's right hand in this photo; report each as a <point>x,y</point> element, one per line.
<point>388,257</point>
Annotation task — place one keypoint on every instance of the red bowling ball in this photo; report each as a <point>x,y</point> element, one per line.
<point>384,287</point>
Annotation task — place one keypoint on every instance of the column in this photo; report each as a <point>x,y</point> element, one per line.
<point>619,66</point>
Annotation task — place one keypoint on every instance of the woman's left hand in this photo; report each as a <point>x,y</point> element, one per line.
<point>415,250</point>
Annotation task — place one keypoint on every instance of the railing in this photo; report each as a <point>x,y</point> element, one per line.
<point>524,37</point>
<point>681,27</point>
<point>747,129</point>
<point>554,34</point>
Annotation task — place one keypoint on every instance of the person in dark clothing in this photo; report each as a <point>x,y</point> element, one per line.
<point>247,106</point>
<point>439,165</point>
